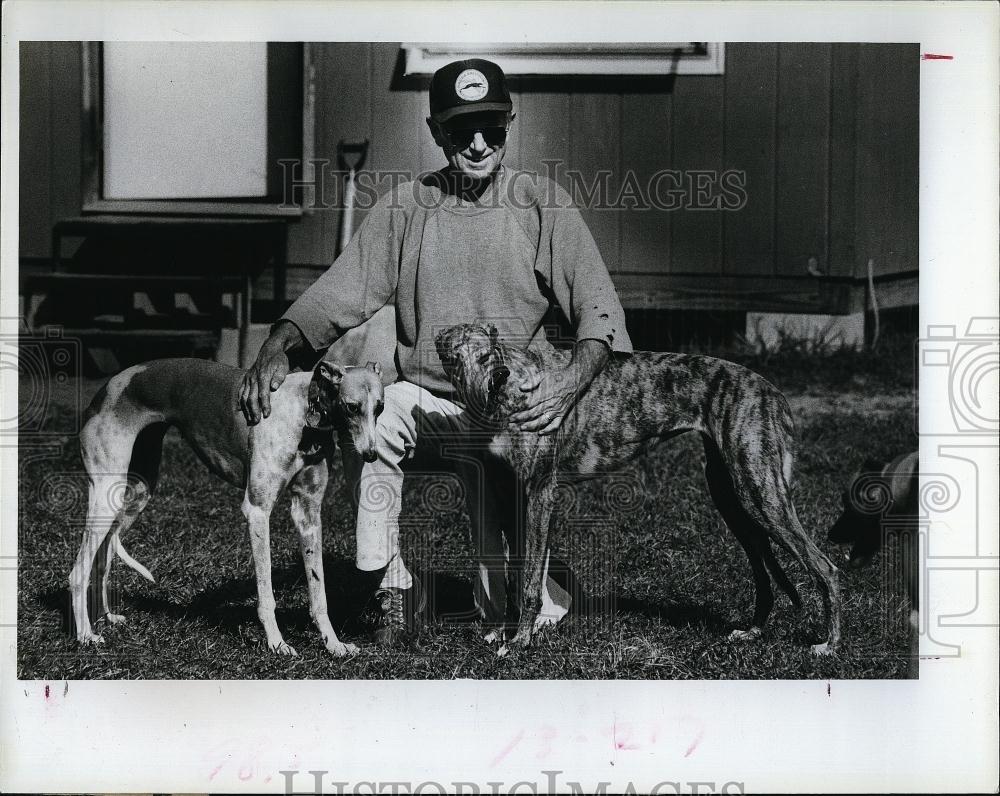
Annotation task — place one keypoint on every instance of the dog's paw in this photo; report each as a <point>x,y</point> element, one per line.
<point>823,649</point>
<point>522,639</point>
<point>114,619</point>
<point>342,650</point>
<point>89,639</point>
<point>745,635</point>
<point>284,648</point>
<point>495,636</point>
<point>502,651</point>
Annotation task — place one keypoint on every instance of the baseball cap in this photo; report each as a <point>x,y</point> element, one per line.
<point>472,85</point>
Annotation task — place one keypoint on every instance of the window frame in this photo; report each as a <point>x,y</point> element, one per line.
<point>601,58</point>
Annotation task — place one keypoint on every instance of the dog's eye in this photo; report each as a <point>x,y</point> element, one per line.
<point>354,408</point>
<point>483,359</point>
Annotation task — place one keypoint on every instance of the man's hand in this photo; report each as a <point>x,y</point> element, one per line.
<point>267,372</point>
<point>551,396</point>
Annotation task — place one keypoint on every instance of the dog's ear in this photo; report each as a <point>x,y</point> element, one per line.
<point>443,342</point>
<point>324,388</point>
<point>375,368</point>
<point>333,372</point>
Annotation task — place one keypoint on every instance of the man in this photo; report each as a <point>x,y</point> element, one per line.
<point>472,243</point>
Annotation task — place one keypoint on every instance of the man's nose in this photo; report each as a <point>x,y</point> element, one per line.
<point>478,142</point>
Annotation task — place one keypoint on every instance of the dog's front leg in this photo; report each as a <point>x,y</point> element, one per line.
<point>258,514</point>
<point>540,494</point>
<point>307,490</point>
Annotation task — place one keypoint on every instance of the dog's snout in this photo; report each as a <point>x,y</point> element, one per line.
<point>369,455</point>
<point>501,373</point>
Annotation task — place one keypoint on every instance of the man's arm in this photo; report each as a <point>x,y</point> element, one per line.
<point>268,371</point>
<point>555,393</point>
<point>577,275</point>
<point>359,283</point>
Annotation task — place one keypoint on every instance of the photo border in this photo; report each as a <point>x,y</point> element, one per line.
<point>938,733</point>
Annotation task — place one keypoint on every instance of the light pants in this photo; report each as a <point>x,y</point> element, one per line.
<point>414,418</point>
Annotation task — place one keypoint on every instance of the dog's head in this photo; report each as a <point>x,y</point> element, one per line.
<point>347,400</point>
<point>476,362</point>
<point>865,503</point>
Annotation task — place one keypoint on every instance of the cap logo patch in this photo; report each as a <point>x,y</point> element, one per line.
<point>471,85</point>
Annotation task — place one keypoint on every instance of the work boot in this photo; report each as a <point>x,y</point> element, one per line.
<point>400,609</point>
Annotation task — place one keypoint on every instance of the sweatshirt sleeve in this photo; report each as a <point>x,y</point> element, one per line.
<point>359,283</point>
<point>578,276</point>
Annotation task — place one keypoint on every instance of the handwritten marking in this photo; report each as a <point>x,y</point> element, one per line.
<point>626,736</point>
<point>46,692</point>
<point>508,748</point>
<point>936,57</point>
<point>694,743</point>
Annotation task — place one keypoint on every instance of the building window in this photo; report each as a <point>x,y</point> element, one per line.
<point>541,58</point>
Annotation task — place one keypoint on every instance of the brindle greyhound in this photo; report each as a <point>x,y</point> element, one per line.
<point>121,444</point>
<point>744,421</point>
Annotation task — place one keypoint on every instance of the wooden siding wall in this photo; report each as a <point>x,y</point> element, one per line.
<point>50,140</point>
<point>827,135</point>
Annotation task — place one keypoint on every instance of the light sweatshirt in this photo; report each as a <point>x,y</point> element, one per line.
<point>502,259</point>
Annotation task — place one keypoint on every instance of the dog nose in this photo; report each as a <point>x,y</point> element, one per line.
<point>369,455</point>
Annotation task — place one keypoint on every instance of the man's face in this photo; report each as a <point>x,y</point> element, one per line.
<point>474,143</point>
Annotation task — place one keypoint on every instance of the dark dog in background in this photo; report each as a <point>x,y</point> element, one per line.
<point>884,499</point>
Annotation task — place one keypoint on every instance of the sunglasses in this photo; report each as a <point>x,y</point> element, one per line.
<point>461,139</point>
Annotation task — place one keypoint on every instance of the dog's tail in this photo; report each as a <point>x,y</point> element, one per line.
<point>774,567</point>
<point>124,556</point>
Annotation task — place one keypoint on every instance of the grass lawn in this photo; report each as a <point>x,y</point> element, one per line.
<point>662,581</point>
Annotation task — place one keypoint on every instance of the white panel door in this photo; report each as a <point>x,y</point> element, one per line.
<point>185,120</point>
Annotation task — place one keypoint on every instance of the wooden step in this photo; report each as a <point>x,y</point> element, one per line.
<point>96,335</point>
<point>227,284</point>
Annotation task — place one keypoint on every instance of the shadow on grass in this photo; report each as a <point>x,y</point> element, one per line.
<point>231,604</point>
<point>674,614</point>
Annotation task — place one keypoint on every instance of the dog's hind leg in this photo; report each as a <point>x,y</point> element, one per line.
<point>747,533</point>
<point>144,470</point>
<point>765,494</point>
<point>100,517</point>
<point>308,488</point>
<point>105,447</point>
<point>824,574</point>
